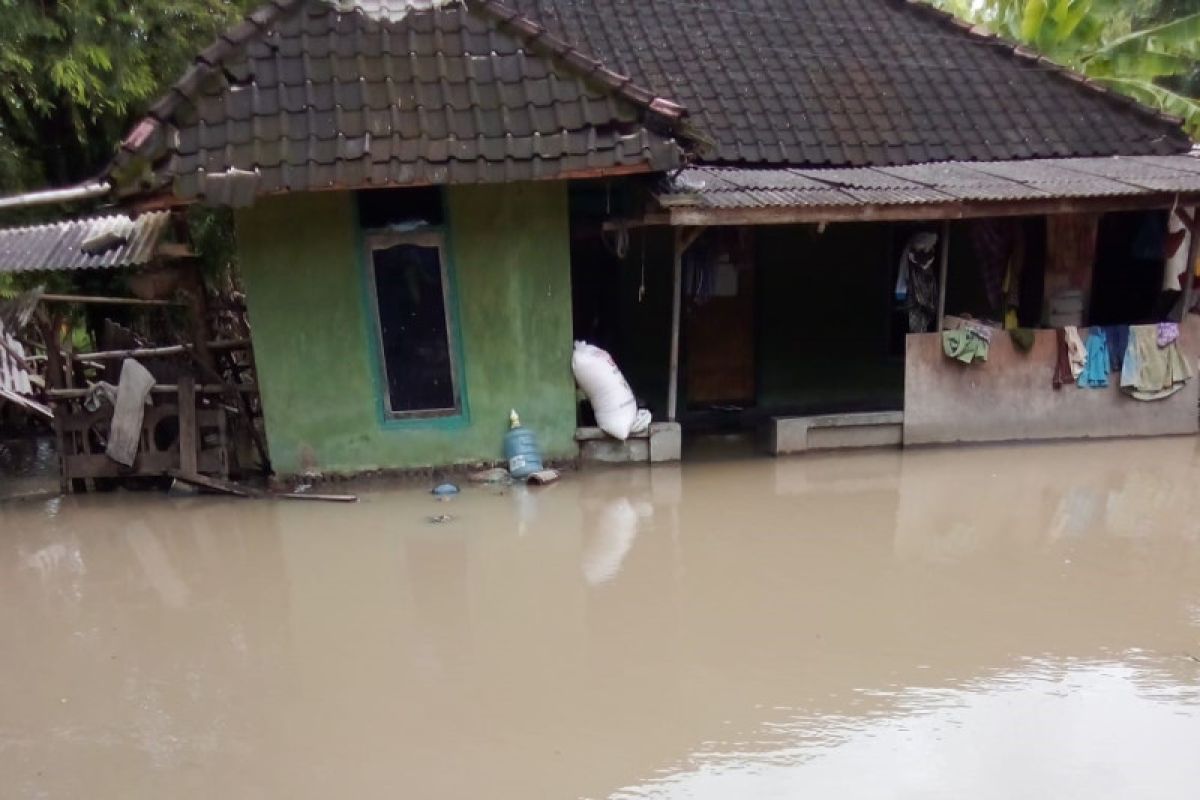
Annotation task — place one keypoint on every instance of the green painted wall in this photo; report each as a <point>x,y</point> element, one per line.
<point>302,263</point>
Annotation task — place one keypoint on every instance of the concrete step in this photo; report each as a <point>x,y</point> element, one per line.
<point>835,432</point>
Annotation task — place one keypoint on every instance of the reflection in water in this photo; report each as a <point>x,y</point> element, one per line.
<point>28,467</point>
<point>1048,730</point>
<point>990,622</point>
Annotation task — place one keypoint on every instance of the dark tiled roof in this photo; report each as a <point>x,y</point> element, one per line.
<point>91,243</point>
<point>853,82</point>
<point>305,95</point>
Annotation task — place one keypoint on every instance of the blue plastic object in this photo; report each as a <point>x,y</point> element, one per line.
<point>521,449</point>
<point>445,490</point>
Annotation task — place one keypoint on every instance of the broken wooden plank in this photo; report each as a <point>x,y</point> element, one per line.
<point>329,498</point>
<point>238,490</point>
<point>216,484</point>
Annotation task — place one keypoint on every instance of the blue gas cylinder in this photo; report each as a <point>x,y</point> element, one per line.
<point>521,449</point>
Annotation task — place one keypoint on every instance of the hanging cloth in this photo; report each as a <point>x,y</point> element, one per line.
<point>1095,371</point>
<point>1076,352</point>
<point>1118,343</point>
<point>1167,333</point>
<point>1176,247</point>
<point>918,281</point>
<point>1062,362</point>
<point>1022,339</point>
<point>964,345</point>
<point>1152,372</point>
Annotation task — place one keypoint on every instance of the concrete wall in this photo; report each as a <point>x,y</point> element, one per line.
<point>1010,397</point>
<point>303,266</point>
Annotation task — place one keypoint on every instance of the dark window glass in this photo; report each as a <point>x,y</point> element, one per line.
<point>414,328</point>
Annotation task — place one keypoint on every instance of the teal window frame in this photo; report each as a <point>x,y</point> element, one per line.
<point>389,420</point>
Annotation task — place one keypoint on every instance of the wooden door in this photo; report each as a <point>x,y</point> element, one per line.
<point>719,321</point>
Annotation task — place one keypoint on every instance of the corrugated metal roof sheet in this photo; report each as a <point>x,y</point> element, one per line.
<point>59,246</point>
<point>945,183</point>
<point>14,376</point>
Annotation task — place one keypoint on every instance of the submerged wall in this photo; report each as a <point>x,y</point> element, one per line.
<point>302,262</point>
<point>1010,397</point>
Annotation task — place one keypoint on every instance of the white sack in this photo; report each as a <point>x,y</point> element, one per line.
<point>612,399</point>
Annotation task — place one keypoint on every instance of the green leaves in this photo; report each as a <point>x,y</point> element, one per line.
<point>75,73</point>
<point>1125,44</point>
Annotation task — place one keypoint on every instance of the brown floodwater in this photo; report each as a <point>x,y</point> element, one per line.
<point>984,623</point>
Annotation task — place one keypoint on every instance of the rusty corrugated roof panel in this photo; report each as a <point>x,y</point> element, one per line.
<point>311,95</point>
<point>854,82</point>
<point>945,183</point>
<point>60,246</point>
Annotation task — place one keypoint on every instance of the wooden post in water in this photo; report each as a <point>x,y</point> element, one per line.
<point>187,425</point>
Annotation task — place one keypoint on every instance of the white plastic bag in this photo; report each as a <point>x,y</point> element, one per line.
<point>612,399</point>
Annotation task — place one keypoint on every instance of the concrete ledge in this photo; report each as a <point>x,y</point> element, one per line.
<point>662,442</point>
<point>595,434</point>
<point>666,442</point>
<point>1009,398</point>
<point>835,432</point>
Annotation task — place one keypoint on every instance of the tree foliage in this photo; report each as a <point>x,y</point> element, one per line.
<point>1147,49</point>
<point>75,73</point>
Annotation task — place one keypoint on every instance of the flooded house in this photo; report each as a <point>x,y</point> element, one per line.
<point>778,217</point>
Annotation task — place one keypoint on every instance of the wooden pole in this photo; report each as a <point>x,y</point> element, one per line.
<point>107,301</point>
<point>197,304</point>
<point>1189,272</point>
<point>160,388</point>
<point>676,312</point>
<point>159,352</point>
<point>943,270</point>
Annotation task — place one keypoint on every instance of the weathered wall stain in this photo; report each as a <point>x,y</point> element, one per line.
<point>302,266</point>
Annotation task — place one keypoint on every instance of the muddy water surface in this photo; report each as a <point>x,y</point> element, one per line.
<point>988,623</point>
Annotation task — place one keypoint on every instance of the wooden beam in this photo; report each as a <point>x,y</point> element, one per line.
<point>943,271</point>
<point>159,352</point>
<point>106,301</point>
<point>648,221</point>
<point>683,216</point>
<point>161,388</point>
